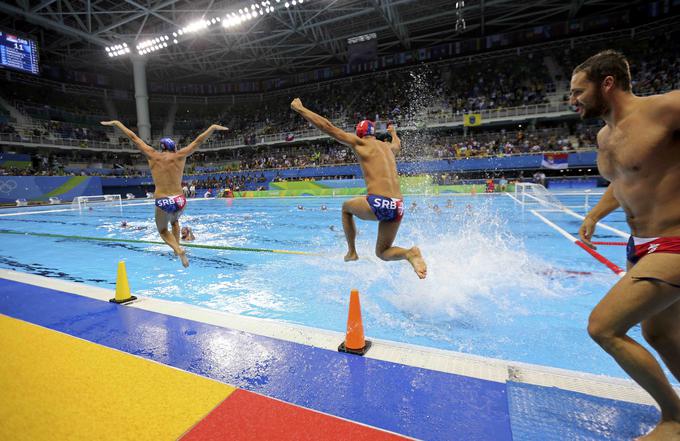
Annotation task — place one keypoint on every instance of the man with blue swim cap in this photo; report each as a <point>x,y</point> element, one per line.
<point>167,168</point>
<point>168,144</point>
<point>384,201</point>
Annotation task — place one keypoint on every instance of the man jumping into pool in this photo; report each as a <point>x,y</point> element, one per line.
<point>167,167</point>
<point>384,201</point>
<point>639,153</point>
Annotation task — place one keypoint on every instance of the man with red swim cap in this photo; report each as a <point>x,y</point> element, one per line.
<point>639,154</point>
<point>384,202</point>
<point>167,167</point>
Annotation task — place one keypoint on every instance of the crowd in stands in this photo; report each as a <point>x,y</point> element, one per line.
<point>7,129</point>
<point>415,146</point>
<point>654,62</point>
<point>404,96</point>
<point>233,182</point>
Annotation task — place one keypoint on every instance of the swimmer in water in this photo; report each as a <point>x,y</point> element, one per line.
<point>125,224</point>
<point>384,202</point>
<point>187,234</point>
<point>449,203</point>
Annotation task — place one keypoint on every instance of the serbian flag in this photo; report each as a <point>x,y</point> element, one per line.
<point>555,161</point>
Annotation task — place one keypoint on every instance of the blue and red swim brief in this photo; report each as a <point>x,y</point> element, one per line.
<point>386,209</point>
<point>171,204</point>
<point>638,247</point>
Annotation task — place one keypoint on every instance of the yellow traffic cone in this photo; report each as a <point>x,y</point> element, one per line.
<point>122,286</point>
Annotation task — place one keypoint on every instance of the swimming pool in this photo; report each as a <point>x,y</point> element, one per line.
<point>502,283</point>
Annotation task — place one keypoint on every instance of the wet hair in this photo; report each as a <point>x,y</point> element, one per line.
<point>604,64</point>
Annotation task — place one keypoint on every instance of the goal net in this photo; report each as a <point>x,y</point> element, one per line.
<point>528,193</point>
<point>103,200</point>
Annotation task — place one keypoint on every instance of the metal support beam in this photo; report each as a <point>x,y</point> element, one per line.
<point>389,12</point>
<point>51,24</point>
<point>150,11</point>
<point>135,16</point>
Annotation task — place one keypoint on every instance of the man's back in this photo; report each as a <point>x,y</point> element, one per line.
<point>379,167</point>
<point>641,158</point>
<point>167,169</point>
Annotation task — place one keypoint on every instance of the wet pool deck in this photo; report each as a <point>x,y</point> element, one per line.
<point>78,367</point>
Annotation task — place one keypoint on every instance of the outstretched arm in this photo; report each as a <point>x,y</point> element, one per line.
<point>186,151</point>
<point>605,205</point>
<point>141,145</point>
<point>324,125</point>
<point>395,145</point>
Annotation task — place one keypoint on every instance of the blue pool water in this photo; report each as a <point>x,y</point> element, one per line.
<point>501,282</point>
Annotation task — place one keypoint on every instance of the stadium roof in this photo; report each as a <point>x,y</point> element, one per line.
<point>307,35</point>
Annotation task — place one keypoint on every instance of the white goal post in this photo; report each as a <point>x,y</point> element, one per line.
<point>530,193</point>
<point>85,202</point>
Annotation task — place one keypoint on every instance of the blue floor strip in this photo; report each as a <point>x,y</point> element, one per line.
<point>547,413</point>
<point>416,402</point>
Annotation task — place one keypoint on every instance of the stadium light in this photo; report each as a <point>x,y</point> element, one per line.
<point>255,10</point>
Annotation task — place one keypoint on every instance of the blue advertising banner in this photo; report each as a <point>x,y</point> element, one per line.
<point>41,188</point>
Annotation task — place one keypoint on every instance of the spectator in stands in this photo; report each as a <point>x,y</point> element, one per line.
<point>539,178</point>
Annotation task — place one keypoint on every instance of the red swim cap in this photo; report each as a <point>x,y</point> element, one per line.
<point>365,128</point>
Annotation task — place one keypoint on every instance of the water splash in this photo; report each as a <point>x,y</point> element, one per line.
<point>477,271</point>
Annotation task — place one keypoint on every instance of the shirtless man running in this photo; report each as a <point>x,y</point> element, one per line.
<point>167,168</point>
<point>384,202</point>
<point>639,153</point>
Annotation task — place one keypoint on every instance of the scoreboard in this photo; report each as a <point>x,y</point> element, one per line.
<point>18,53</point>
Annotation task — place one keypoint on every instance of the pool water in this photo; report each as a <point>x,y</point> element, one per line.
<point>501,283</point>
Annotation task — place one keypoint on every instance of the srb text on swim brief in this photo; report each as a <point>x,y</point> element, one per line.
<point>385,203</point>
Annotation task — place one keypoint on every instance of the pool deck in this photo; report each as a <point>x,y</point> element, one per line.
<point>78,367</point>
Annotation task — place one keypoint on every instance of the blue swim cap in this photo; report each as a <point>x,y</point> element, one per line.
<point>168,144</point>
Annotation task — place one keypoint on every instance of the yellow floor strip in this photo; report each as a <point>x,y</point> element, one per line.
<point>57,387</point>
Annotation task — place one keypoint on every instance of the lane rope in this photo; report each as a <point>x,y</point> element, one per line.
<point>599,257</point>
<point>153,242</point>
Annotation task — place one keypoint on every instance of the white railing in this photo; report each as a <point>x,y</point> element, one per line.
<point>431,121</point>
<point>43,141</point>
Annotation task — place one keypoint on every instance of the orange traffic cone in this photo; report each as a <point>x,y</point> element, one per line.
<point>354,343</point>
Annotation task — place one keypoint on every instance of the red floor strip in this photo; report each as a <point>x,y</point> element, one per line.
<point>248,416</point>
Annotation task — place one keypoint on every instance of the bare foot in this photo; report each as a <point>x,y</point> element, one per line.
<point>416,260</point>
<point>664,431</point>
<point>351,255</point>
<point>183,258</point>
